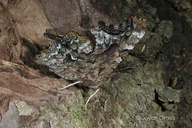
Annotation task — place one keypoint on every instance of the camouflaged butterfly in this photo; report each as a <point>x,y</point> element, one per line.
<point>78,58</point>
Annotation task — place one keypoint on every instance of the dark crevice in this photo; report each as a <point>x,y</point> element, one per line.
<point>85,89</point>
<point>159,102</point>
<point>28,56</point>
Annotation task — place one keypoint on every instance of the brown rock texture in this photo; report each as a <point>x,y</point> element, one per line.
<point>31,95</point>
<point>22,82</point>
<point>28,18</point>
<point>65,16</point>
<point>10,43</point>
<point>22,24</point>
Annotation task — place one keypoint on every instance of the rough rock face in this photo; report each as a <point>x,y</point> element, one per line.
<point>142,90</point>
<point>79,58</point>
<point>184,8</point>
<point>29,25</point>
<point>19,82</point>
<point>83,14</point>
<point>10,43</point>
<point>19,31</point>
<point>34,86</point>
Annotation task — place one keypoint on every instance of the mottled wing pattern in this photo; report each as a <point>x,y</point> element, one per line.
<point>75,57</point>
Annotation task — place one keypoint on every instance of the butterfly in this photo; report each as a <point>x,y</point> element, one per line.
<point>81,58</point>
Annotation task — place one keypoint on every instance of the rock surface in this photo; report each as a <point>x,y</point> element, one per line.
<point>140,93</point>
